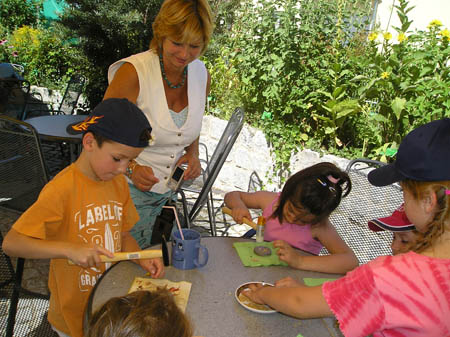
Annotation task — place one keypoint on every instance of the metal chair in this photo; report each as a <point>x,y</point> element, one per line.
<point>22,176</point>
<point>254,184</point>
<point>210,172</point>
<point>70,98</point>
<point>14,94</point>
<point>365,202</point>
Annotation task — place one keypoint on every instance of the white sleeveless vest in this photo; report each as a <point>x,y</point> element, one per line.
<point>169,140</point>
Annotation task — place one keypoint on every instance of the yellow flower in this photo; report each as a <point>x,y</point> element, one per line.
<point>445,33</point>
<point>402,37</point>
<point>435,23</point>
<point>387,36</point>
<point>384,74</point>
<point>372,36</point>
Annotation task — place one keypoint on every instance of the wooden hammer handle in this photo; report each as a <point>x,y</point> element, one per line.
<point>143,254</point>
<point>226,210</point>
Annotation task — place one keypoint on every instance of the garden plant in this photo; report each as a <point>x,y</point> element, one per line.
<point>315,74</point>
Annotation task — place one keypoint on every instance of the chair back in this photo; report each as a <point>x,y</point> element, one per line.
<point>13,97</point>
<point>72,94</point>
<point>215,163</point>
<point>22,169</point>
<point>365,202</point>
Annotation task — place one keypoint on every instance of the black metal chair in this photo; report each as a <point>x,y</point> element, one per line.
<point>210,173</point>
<point>254,184</point>
<point>69,100</point>
<point>365,202</point>
<point>22,176</point>
<point>14,94</point>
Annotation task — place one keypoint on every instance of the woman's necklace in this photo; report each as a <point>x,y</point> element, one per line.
<point>165,76</point>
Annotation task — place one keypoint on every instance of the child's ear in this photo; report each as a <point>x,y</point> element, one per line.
<point>89,141</point>
<point>430,201</point>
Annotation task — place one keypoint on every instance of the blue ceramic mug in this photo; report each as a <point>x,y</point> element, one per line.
<point>185,252</point>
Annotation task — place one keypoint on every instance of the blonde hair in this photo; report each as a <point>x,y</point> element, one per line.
<point>183,21</point>
<point>437,227</point>
<point>140,314</point>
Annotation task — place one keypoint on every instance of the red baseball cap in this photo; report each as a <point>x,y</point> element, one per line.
<point>397,222</point>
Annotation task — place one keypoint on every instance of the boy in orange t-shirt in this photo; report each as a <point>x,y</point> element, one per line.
<point>86,211</point>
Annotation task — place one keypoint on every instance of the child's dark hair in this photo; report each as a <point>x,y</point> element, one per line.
<point>140,314</point>
<point>316,190</point>
<point>144,137</point>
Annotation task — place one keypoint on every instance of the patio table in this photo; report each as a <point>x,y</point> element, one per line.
<point>212,306</point>
<point>53,128</point>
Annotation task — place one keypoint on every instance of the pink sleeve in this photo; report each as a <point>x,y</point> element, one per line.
<point>355,302</point>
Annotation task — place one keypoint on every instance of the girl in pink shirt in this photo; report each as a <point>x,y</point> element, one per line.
<point>298,217</point>
<point>407,295</point>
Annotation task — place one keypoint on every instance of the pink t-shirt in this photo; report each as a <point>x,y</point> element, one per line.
<point>296,235</point>
<point>407,295</point>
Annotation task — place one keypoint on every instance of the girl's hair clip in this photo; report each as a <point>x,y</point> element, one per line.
<point>333,179</point>
<point>324,184</point>
<point>321,182</point>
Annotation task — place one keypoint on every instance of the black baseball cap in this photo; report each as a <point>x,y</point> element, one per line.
<point>423,155</point>
<point>116,119</point>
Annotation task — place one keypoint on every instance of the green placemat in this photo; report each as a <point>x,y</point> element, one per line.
<point>312,282</point>
<point>250,259</point>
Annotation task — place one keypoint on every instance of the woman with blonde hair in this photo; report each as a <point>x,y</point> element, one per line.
<point>170,84</point>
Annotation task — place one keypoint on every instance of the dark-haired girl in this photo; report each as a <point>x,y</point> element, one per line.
<point>298,217</point>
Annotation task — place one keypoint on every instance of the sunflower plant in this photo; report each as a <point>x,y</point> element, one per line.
<point>408,78</point>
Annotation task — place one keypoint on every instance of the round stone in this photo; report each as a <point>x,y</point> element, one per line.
<point>262,251</point>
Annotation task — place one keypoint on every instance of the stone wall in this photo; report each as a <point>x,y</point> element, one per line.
<point>251,152</point>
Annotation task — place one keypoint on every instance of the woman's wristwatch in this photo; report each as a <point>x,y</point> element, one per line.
<point>130,168</point>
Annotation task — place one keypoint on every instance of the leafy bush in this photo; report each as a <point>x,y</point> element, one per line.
<point>286,66</point>
<point>409,81</point>
<point>17,13</point>
<point>48,60</point>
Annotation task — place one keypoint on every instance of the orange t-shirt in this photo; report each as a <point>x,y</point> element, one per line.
<point>74,208</point>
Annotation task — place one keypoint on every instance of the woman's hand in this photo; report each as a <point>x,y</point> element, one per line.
<point>86,256</point>
<point>155,267</point>
<point>287,282</point>
<point>288,254</point>
<point>143,178</point>
<point>194,168</point>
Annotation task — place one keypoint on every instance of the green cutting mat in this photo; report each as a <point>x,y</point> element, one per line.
<point>250,259</point>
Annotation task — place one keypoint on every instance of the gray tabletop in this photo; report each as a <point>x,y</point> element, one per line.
<point>54,127</point>
<point>212,306</point>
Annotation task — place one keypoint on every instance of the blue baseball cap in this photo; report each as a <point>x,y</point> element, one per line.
<point>116,119</point>
<point>423,155</point>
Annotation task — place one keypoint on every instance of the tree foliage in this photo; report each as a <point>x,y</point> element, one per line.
<point>17,13</point>
<point>106,31</point>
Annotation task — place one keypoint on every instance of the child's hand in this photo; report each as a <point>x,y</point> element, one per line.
<point>87,256</point>
<point>155,267</point>
<point>287,282</point>
<point>239,213</point>
<point>288,254</point>
<point>252,292</point>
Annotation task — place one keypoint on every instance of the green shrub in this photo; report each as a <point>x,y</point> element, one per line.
<point>47,59</point>
<point>407,78</point>
<point>290,66</point>
<point>17,13</point>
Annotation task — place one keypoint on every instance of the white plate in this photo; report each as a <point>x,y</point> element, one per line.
<point>265,309</point>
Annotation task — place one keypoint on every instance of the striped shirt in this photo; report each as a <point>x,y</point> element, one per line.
<point>407,295</point>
